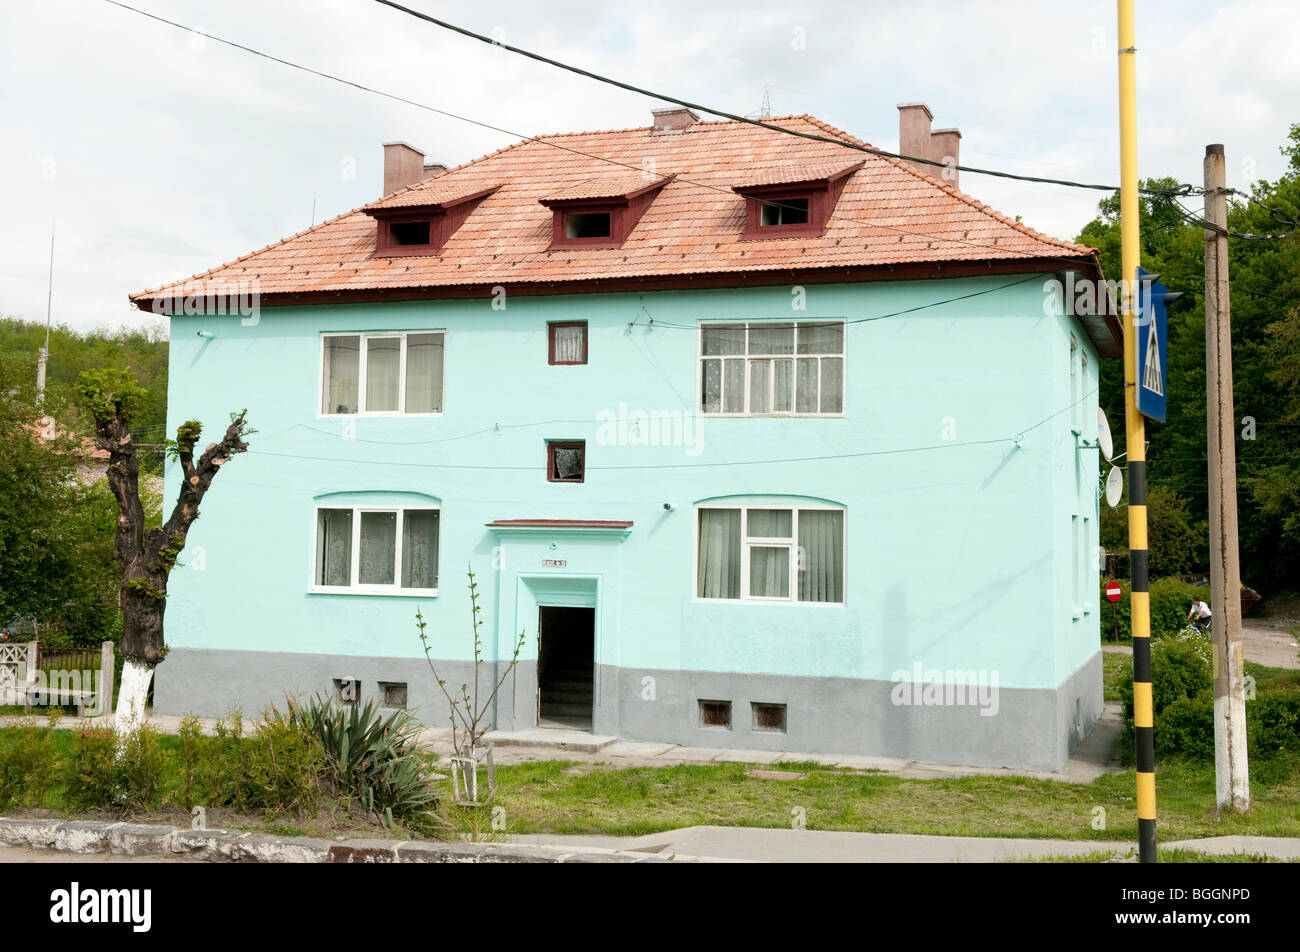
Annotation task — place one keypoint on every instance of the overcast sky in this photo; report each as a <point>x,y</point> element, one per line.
<point>158,155</point>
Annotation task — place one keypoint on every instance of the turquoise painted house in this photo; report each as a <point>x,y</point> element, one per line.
<point>759,441</point>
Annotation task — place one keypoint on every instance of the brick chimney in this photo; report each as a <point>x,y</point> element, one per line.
<point>945,147</point>
<point>676,119</point>
<point>940,145</point>
<point>403,166</point>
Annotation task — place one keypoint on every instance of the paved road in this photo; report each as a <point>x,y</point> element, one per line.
<point>14,854</point>
<point>828,846</point>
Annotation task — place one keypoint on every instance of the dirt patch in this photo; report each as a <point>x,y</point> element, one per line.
<point>1275,647</point>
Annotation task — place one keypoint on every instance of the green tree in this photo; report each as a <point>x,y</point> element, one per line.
<point>146,555</point>
<point>1177,541</point>
<point>1265,286</point>
<point>56,555</point>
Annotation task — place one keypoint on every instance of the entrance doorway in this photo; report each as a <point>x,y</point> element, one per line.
<point>565,667</point>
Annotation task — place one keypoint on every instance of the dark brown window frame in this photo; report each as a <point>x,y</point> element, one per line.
<point>550,343</point>
<point>821,194</point>
<point>552,446</point>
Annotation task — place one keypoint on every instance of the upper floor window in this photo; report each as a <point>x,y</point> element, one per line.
<point>566,342</point>
<point>772,369</point>
<point>382,373</point>
<point>784,211</point>
<point>771,554</point>
<point>377,550</point>
<point>792,201</point>
<point>566,460</point>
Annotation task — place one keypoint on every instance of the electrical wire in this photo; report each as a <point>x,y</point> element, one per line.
<point>699,107</point>
<point>1277,214</point>
<point>1002,252</point>
<point>1015,440</point>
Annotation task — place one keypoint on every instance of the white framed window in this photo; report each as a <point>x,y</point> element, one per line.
<point>770,553</point>
<point>382,374</point>
<point>376,550</point>
<point>791,368</point>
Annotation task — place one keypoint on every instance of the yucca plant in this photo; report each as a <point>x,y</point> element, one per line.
<point>369,757</point>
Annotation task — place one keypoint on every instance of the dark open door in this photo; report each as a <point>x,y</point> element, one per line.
<point>565,667</point>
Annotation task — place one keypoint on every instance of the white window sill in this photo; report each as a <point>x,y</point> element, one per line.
<point>357,590</point>
<point>770,416</point>
<point>766,601</point>
<point>380,415</point>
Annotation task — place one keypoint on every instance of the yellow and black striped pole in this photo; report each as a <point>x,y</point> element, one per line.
<point>1135,443</point>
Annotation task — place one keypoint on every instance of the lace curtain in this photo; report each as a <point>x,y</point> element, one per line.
<point>570,343</point>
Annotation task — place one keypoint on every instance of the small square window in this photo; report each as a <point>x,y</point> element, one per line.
<point>393,693</point>
<point>587,225</point>
<point>566,342</point>
<point>769,717</point>
<point>566,462</point>
<point>715,714</point>
<point>409,232</point>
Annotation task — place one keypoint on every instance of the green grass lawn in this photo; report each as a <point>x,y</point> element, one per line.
<point>558,797</point>
<point>1114,666</point>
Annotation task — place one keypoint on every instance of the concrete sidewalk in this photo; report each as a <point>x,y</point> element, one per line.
<point>826,846</point>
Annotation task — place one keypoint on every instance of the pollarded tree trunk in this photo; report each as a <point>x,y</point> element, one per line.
<point>147,555</point>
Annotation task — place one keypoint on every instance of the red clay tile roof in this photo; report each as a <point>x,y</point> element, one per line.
<point>618,185</point>
<point>888,214</point>
<point>435,191</point>
<point>788,173</point>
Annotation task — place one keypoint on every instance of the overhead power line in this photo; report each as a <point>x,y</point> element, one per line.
<point>700,107</point>
<point>1002,252</point>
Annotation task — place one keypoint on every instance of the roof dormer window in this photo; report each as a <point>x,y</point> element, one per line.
<point>784,211</point>
<point>601,213</point>
<point>792,201</point>
<point>420,220</point>
<point>585,225</point>
<point>408,232</point>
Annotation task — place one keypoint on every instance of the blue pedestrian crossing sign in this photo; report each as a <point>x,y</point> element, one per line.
<point>1152,347</point>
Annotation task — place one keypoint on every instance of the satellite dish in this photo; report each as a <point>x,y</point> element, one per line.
<point>1114,486</point>
<point>1103,434</point>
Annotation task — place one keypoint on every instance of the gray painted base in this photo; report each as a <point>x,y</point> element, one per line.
<point>1033,729</point>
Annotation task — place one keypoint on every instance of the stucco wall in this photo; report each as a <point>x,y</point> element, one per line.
<point>957,541</point>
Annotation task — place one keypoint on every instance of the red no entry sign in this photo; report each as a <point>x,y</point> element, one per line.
<point>1113,591</point>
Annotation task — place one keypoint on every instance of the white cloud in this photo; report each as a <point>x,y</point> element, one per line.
<point>167,159</point>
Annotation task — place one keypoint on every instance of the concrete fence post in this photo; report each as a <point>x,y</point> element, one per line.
<point>107,672</point>
<point>30,674</point>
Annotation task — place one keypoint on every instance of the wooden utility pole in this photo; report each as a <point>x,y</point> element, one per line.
<point>1231,776</point>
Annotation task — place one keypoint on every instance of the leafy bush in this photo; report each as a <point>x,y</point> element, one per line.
<point>1170,599</point>
<point>190,761</point>
<point>1182,695</point>
<point>91,774</point>
<point>374,759</point>
<point>1186,728</point>
<point>284,767</point>
<point>1274,722</point>
<point>27,764</point>
<point>1181,668</point>
<point>226,773</point>
<point>141,765</point>
<point>98,776</point>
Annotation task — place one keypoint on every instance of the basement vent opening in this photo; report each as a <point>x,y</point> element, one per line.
<point>393,693</point>
<point>715,714</point>
<point>587,225</point>
<point>409,232</point>
<point>785,211</point>
<point>769,717</point>
<point>348,690</point>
